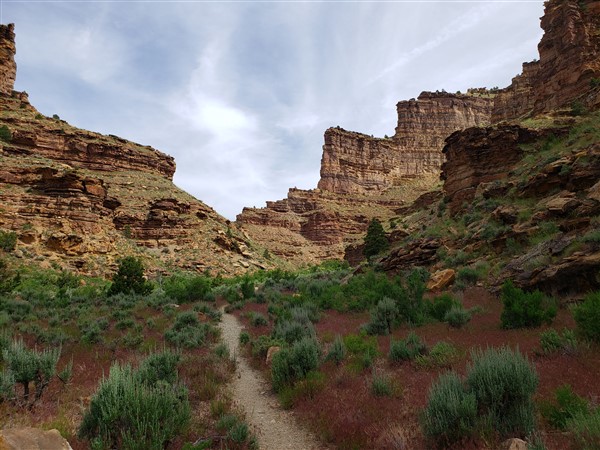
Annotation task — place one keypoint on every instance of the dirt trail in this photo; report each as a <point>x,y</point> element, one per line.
<point>275,428</point>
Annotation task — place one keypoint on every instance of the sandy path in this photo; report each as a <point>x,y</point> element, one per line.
<point>275,428</point>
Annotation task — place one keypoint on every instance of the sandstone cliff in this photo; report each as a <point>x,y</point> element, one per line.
<point>568,67</point>
<point>363,177</point>
<point>81,199</point>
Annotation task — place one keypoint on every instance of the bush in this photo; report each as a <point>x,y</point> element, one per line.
<point>383,317</point>
<point>525,309</point>
<point>292,331</point>
<point>183,288</point>
<point>381,385</point>
<point>258,320</point>
<point>130,278</point>
<point>504,382</point>
<point>28,366</point>
<point>8,240</point>
<point>337,353</point>
<point>440,305</point>
<point>129,413</point>
<point>244,337</point>
<point>187,331</point>
<point>375,240</point>
<point>467,276</point>
<point>290,365</point>
<point>587,316</point>
<point>457,316</point>
<point>442,354</point>
<point>585,430</point>
<point>451,411</point>
<point>565,406</point>
<point>159,367</point>
<point>406,349</point>
<point>551,341</point>
<point>5,134</point>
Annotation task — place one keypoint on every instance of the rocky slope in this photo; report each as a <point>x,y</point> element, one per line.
<point>520,199</point>
<point>364,177</point>
<point>81,199</point>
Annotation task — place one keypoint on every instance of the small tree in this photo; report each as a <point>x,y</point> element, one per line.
<point>130,277</point>
<point>375,239</point>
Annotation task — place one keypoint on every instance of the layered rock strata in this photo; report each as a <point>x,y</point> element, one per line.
<point>81,200</point>
<point>8,67</point>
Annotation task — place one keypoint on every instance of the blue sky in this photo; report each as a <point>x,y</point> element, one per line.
<point>240,93</point>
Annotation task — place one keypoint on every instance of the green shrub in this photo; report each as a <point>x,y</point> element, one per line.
<point>290,365</point>
<point>440,305</point>
<point>185,288</point>
<point>587,316</point>
<point>187,331</point>
<point>381,385</point>
<point>292,331</point>
<point>406,349</point>
<point>159,367</point>
<point>451,411</point>
<point>504,382</point>
<point>5,134</point>
<point>247,288</point>
<point>467,276</point>
<point>212,313</point>
<point>585,430</point>
<point>128,413</point>
<point>8,240</point>
<point>258,320</point>
<point>551,341</point>
<point>337,353</point>
<point>457,317</point>
<point>130,278</point>
<point>442,354</point>
<point>565,406</point>
<point>525,309</point>
<point>244,337</point>
<point>261,345</point>
<point>30,366</point>
<point>383,317</point>
<point>375,240</point>
<point>7,386</point>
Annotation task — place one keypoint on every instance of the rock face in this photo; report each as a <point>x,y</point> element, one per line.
<point>80,199</point>
<point>357,163</point>
<point>8,67</point>
<point>568,66</point>
<point>364,177</point>
<point>32,439</point>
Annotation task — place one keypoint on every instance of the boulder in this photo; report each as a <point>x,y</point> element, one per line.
<point>441,279</point>
<point>32,439</point>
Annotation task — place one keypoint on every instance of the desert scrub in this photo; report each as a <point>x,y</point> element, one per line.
<point>451,411</point>
<point>406,349</point>
<point>585,430</point>
<point>337,352</point>
<point>442,354</point>
<point>290,365</point>
<point>525,309</point>
<point>504,382</point>
<point>130,411</point>
<point>26,366</point>
<point>188,331</point>
<point>551,341</point>
<point>565,406</point>
<point>457,316</point>
<point>381,384</point>
<point>383,317</point>
<point>130,278</point>
<point>8,240</point>
<point>440,305</point>
<point>587,316</point>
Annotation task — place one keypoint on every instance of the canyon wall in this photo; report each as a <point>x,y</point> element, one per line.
<point>8,67</point>
<point>80,200</point>
<point>568,66</point>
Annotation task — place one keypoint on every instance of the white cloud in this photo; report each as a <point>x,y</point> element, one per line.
<point>241,93</point>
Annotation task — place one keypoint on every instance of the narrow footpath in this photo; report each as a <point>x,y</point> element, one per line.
<point>275,428</point>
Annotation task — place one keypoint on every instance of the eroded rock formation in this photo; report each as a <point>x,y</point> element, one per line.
<point>80,199</point>
<point>8,67</point>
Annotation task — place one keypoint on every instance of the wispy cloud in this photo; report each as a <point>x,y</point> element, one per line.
<point>241,93</point>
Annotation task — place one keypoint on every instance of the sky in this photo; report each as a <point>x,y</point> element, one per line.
<point>241,92</point>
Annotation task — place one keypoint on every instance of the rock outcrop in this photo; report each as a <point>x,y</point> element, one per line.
<point>568,69</point>
<point>32,439</point>
<point>363,177</point>
<point>80,199</point>
<point>8,66</point>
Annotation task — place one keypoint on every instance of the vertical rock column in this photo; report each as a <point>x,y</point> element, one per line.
<point>8,67</point>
